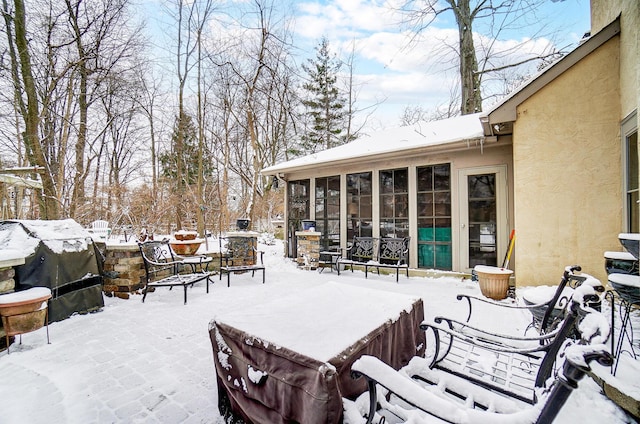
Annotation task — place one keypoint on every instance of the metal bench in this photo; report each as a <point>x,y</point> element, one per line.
<point>371,252</point>
<point>361,251</point>
<point>392,253</point>
<point>513,365</point>
<point>164,269</point>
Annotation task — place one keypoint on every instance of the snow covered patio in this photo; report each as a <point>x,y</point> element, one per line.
<point>153,362</point>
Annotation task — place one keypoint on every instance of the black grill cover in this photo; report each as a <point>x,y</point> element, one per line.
<point>60,255</point>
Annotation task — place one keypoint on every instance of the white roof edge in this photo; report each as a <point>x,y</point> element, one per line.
<point>421,135</point>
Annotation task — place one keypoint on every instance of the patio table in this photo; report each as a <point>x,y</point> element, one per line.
<point>290,360</point>
<point>329,258</point>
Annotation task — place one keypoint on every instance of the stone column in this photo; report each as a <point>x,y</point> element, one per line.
<point>124,270</point>
<point>7,285</point>
<point>242,244</point>
<point>308,249</point>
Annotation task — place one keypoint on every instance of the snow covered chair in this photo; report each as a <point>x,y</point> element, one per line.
<point>409,400</point>
<point>481,377</point>
<point>546,309</point>
<point>100,228</point>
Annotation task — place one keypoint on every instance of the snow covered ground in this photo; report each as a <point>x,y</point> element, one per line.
<point>153,362</point>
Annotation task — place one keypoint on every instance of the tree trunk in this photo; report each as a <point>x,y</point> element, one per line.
<point>78,193</point>
<point>470,83</point>
<point>49,208</point>
<point>201,206</point>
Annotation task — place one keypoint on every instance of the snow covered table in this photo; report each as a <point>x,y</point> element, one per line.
<point>289,360</point>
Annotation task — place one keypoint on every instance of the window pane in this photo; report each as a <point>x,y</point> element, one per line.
<point>443,256</point>
<point>386,182</point>
<point>386,206</point>
<point>443,230</point>
<point>365,207</point>
<point>632,172</point>
<point>426,256</point>
<point>402,228</point>
<point>425,204</point>
<point>425,177</point>
<point>425,230</point>
<point>319,207</point>
<point>366,229</point>
<point>333,211</point>
<point>333,187</point>
<point>442,203</point>
<point>401,205</point>
<point>386,228</point>
<point>634,212</point>
<point>633,207</point>
<point>400,181</point>
<point>442,177</point>
<point>365,183</point>
<point>482,186</point>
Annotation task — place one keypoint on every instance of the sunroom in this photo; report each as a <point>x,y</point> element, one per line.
<point>443,184</point>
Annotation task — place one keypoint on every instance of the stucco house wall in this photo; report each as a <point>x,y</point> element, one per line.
<point>567,168</point>
<point>602,13</point>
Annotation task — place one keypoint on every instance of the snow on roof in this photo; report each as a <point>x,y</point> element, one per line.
<point>451,130</point>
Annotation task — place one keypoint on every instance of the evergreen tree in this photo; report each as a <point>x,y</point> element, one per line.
<point>325,106</point>
<point>188,154</point>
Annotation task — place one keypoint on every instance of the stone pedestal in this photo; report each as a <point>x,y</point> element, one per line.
<point>308,249</point>
<point>7,285</point>
<point>242,244</point>
<point>124,270</point>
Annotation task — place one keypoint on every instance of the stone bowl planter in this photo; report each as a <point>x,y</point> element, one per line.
<point>24,311</point>
<point>186,247</point>
<point>494,281</point>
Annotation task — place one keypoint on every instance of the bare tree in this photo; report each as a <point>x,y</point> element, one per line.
<point>99,31</point>
<point>148,102</point>
<point>26,98</point>
<point>191,17</point>
<point>72,48</point>
<point>496,17</point>
<point>258,66</point>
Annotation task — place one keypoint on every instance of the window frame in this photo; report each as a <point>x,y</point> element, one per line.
<point>631,194</point>
<point>391,225</point>
<point>357,224</point>
<point>435,191</point>
<point>324,201</point>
